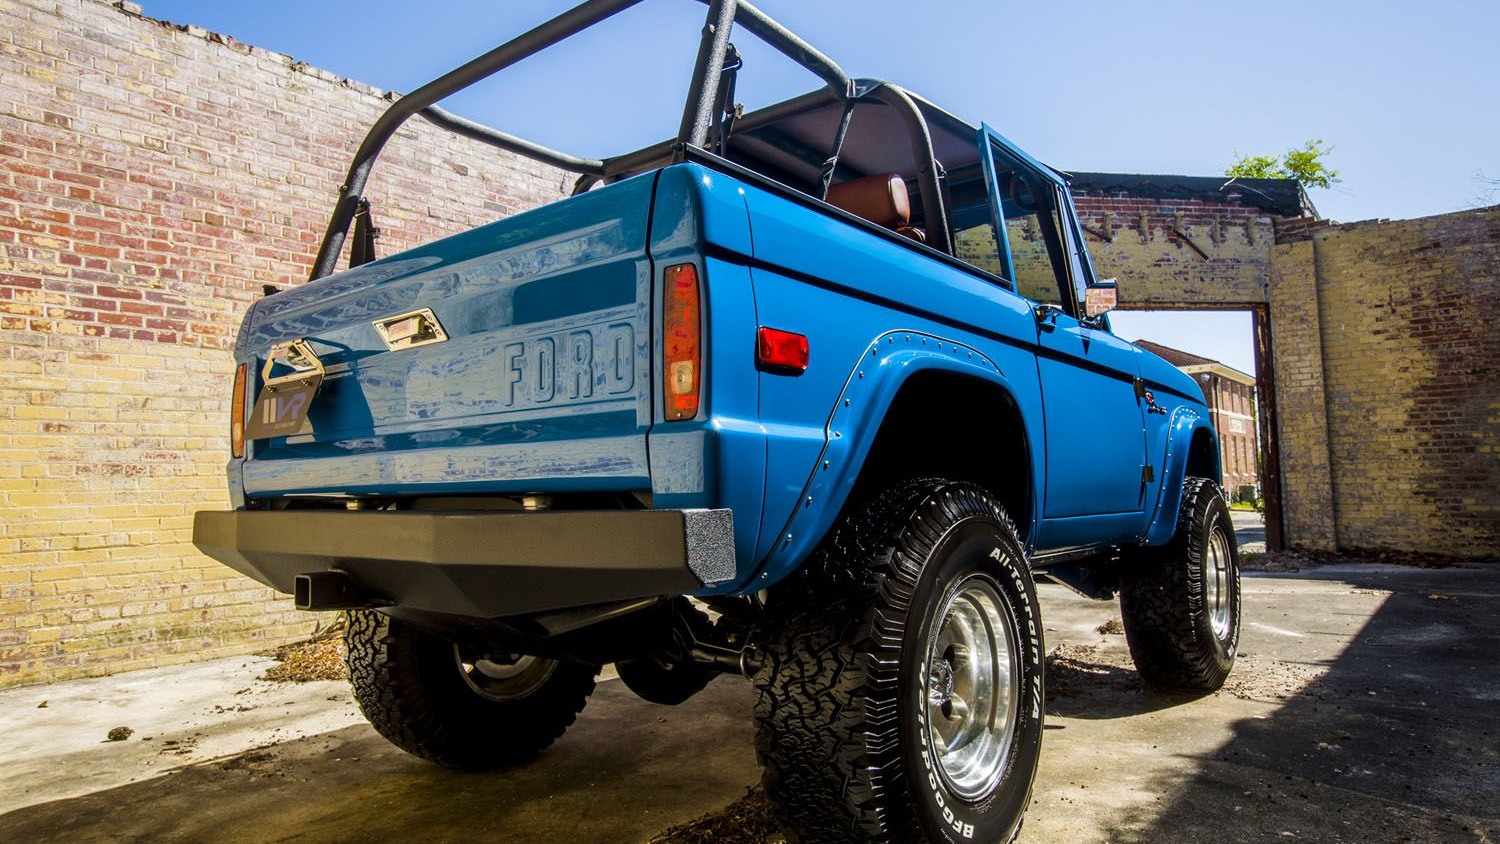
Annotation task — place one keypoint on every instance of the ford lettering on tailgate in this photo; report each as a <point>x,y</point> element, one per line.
<point>489,374</point>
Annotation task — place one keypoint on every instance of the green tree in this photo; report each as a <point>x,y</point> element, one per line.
<point>1307,164</point>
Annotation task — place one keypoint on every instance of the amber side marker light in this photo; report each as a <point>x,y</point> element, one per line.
<point>682,357</point>
<point>237,412</point>
<point>781,351</point>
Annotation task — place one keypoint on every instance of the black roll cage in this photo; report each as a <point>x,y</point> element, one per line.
<point>698,115</point>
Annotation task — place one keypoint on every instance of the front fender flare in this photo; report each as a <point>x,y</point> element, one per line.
<point>1183,426</point>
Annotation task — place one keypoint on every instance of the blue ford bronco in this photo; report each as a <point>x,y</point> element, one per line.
<point>809,394</point>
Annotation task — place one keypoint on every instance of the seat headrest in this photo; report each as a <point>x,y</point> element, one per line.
<point>881,199</point>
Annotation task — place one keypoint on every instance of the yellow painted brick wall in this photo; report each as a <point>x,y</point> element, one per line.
<point>1411,362</point>
<point>107,447</point>
<point>1297,354</point>
<point>1169,253</point>
<point>151,179</point>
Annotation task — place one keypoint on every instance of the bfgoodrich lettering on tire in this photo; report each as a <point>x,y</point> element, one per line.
<point>1181,602</point>
<point>900,696</point>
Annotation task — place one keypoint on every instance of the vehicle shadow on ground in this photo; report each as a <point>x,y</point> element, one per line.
<point>1398,741</point>
<point>617,775</point>
<point>1102,686</point>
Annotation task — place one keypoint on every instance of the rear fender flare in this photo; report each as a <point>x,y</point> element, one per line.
<point>887,364</point>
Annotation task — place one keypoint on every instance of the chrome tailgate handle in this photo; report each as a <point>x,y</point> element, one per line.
<point>407,331</point>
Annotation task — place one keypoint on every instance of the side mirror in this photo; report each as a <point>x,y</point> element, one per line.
<point>1100,298</point>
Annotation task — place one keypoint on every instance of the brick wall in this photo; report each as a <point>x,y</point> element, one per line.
<point>1387,361</point>
<point>1169,253</point>
<point>1411,370</point>
<point>1297,352</point>
<point>151,179</point>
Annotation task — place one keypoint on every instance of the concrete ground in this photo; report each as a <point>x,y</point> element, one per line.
<point>1365,708</point>
<point>1249,530</point>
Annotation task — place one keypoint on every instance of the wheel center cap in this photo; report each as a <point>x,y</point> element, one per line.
<point>940,683</point>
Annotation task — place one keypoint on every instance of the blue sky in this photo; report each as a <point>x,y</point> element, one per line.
<point>1407,94</point>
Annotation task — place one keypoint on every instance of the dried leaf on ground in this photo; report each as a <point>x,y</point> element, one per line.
<point>178,747</point>
<point>1077,669</point>
<point>318,658</point>
<point>1281,561</point>
<point>1083,669</point>
<point>747,820</point>
<point>1257,678</point>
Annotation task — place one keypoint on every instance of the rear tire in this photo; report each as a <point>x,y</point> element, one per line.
<point>900,695</point>
<point>428,698</point>
<point>1181,602</point>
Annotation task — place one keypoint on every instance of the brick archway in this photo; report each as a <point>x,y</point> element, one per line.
<point>1378,366</point>
<point>1183,243</point>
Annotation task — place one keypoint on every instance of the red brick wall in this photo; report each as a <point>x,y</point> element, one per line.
<point>151,179</point>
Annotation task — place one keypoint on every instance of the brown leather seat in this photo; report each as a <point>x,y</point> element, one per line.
<point>881,199</point>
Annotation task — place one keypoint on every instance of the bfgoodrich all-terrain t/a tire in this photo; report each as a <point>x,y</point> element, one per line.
<point>429,698</point>
<point>900,694</point>
<point>1181,602</point>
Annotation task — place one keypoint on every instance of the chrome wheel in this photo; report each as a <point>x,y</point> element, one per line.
<point>1218,588</point>
<point>505,677</point>
<point>972,687</point>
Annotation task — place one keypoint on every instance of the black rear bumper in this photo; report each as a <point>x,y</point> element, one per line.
<point>479,564</point>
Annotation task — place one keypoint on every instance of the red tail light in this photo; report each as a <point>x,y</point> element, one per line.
<point>237,411</point>
<point>682,358</point>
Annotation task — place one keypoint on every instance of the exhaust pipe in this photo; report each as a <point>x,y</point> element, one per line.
<point>332,590</point>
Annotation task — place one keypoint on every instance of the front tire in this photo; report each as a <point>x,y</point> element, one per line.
<point>428,697</point>
<point>1181,603</point>
<point>900,698</point>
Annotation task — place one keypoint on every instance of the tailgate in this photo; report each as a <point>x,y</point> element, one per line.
<point>541,385</point>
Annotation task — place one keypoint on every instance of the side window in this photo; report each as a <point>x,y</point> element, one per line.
<point>1034,233</point>
<point>976,244</point>
<point>1078,262</point>
<point>1040,252</point>
<point>974,240</point>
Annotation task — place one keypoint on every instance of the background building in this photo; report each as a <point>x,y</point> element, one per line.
<point>1230,394</point>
